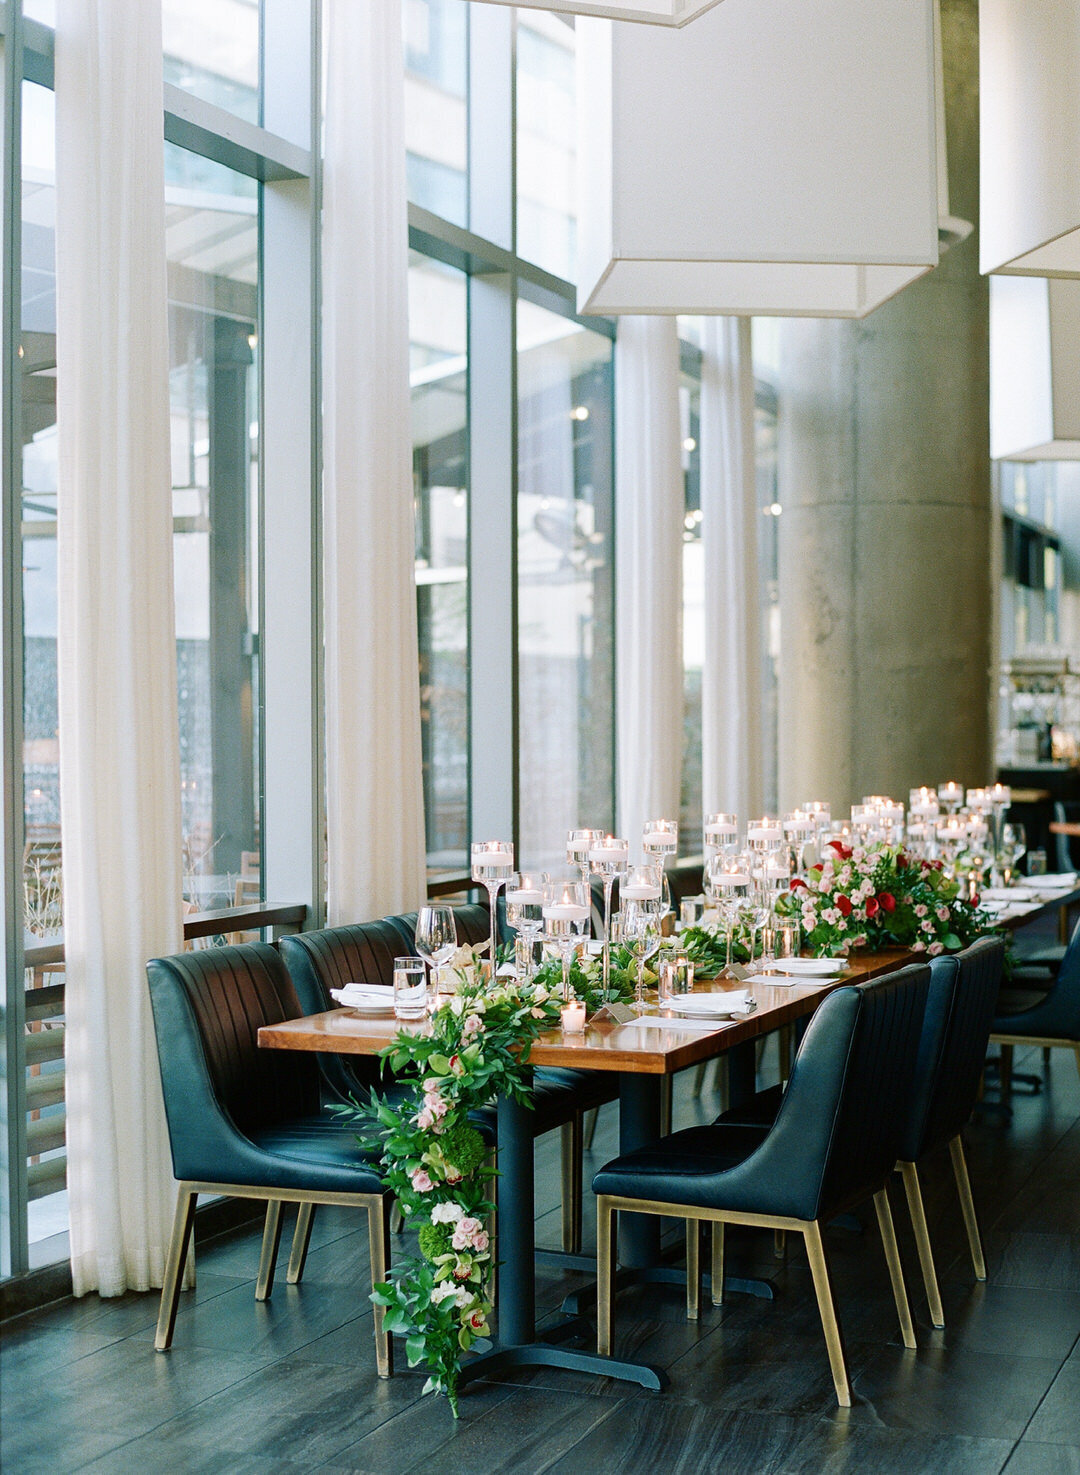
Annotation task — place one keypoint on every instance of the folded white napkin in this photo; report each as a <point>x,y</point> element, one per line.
<point>1053,881</point>
<point>363,993</point>
<point>713,1003</point>
<point>702,1026</point>
<point>1007,894</point>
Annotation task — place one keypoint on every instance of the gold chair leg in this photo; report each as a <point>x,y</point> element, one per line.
<point>183,1220</point>
<point>779,1245</point>
<point>271,1239</point>
<point>967,1203</point>
<point>830,1324</point>
<point>896,1271</point>
<point>591,1118</point>
<point>693,1270</point>
<point>607,1223</point>
<point>665,1105</point>
<point>571,1153</point>
<point>301,1239</point>
<point>913,1193</point>
<point>379,1248</point>
<point>716,1271</point>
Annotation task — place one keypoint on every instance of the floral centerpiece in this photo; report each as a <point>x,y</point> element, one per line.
<point>879,896</point>
<point>437,1164</point>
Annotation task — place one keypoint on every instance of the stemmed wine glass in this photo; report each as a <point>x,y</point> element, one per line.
<point>608,858</point>
<point>1013,848</point>
<point>436,939</point>
<point>640,926</point>
<point>492,866</point>
<point>565,916</point>
<point>578,845</point>
<point>525,914</point>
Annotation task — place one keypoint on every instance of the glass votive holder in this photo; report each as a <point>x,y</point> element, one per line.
<point>410,989</point>
<point>691,911</point>
<point>786,940</point>
<point>676,976</point>
<point>573,1017</point>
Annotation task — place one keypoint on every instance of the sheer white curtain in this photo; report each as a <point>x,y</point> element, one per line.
<point>375,811</point>
<point>731,722</point>
<point>116,649</point>
<point>649,508</point>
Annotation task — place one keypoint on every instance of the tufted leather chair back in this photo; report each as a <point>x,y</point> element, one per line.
<point>219,1086</point>
<point>956,1027</point>
<point>876,1092</point>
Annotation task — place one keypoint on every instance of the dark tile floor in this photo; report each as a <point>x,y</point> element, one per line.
<point>289,1386</point>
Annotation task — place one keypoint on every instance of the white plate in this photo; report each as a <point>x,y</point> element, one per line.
<point>709,1006</point>
<point>780,974</point>
<point>365,1000</point>
<point>810,967</point>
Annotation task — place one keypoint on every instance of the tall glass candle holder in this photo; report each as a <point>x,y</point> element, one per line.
<point>639,903</point>
<point>578,845</point>
<point>950,796</point>
<point>660,840</point>
<point>608,859</point>
<point>565,915</point>
<point>1000,796</point>
<point>721,834</point>
<point>525,914</point>
<point>728,883</point>
<point>492,867</point>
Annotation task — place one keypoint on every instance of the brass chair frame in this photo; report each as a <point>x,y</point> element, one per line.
<point>913,1192</point>
<point>377,1206</point>
<point>609,1206</point>
<point>1007,1042</point>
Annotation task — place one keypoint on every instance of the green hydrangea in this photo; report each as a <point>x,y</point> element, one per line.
<point>463,1148</point>
<point>434,1241</point>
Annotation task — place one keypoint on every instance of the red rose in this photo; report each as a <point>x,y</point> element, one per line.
<point>843,905</point>
<point>796,882</point>
<point>871,907</point>
<point>886,900</point>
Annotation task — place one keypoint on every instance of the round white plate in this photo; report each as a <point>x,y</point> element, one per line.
<point>372,1006</point>
<point>708,1006</point>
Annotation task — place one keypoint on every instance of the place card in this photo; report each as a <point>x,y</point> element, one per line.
<point>618,1012</point>
<point>737,972</point>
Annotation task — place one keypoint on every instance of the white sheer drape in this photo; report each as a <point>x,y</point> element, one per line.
<point>375,812</point>
<point>649,508</point>
<point>731,722</point>
<point>116,648</point>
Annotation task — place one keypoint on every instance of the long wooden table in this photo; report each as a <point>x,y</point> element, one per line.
<point>641,1057</point>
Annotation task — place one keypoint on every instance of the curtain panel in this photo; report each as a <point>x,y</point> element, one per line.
<point>116,647</point>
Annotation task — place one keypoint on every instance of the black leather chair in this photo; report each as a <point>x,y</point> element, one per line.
<point>246,1122</point>
<point>834,1143</point>
<point>319,961</point>
<point>959,1010</point>
<point>1051,1019</point>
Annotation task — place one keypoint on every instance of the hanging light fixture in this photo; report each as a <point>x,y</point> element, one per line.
<point>781,157</point>
<point>1029,137</point>
<point>1034,369</point>
<point>658,12</point>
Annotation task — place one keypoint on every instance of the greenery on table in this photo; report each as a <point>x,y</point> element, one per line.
<point>707,948</point>
<point>436,1163</point>
<point>587,978</point>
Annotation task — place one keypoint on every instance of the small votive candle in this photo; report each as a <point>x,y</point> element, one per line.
<point>573,1017</point>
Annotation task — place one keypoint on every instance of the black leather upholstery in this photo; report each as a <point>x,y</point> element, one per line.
<point>1057,1014</point>
<point>956,1029</point>
<point>835,1138</point>
<point>237,1113</point>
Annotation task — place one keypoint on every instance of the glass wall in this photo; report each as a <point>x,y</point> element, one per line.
<point>546,148</point>
<point>436,116</point>
<point>212,51</point>
<point>564,570</point>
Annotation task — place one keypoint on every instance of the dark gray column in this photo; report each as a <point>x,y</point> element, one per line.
<point>885,569</point>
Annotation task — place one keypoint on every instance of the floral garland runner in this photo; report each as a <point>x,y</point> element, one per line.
<point>438,1166</point>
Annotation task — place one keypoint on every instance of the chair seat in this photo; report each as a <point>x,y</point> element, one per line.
<point>760,1110</point>
<point>327,1152</point>
<point>678,1168</point>
<point>1017,1000</point>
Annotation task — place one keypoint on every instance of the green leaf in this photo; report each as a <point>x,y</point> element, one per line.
<point>415,1346</point>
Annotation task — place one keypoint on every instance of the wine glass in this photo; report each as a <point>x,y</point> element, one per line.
<point>578,845</point>
<point>1013,848</point>
<point>525,914</point>
<point>492,866</point>
<point>608,858</point>
<point>640,933</point>
<point>565,913</point>
<point>436,938</point>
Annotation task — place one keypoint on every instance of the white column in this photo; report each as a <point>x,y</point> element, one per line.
<point>375,812</point>
<point>649,509</point>
<point>119,736</point>
<point>731,767</point>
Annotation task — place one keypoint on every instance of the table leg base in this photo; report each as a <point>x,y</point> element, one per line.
<point>544,1354</point>
<point>579,1301</point>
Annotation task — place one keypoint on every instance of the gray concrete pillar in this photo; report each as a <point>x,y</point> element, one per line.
<point>885,567</point>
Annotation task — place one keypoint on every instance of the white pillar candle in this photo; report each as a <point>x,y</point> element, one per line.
<point>610,852</point>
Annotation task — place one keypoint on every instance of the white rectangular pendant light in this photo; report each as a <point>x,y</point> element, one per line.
<point>779,157</point>
<point>1034,369</point>
<point>1029,136</point>
<point>655,12</point>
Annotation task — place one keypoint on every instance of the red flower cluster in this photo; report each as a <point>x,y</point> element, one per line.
<point>843,905</point>
<point>887,901</point>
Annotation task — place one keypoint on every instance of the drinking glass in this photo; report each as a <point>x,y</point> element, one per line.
<point>565,916</point>
<point>676,977</point>
<point>641,936</point>
<point>787,939</point>
<point>436,938</point>
<point>492,866</point>
<point>690,911</point>
<point>578,845</point>
<point>410,988</point>
<point>1013,848</point>
<point>525,914</point>
<point>757,911</point>
<point>608,858</point>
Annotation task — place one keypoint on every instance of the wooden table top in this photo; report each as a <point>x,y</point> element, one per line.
<point>1065,827</point>
<point>603,1046</point>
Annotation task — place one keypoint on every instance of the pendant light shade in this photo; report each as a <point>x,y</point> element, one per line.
<point>1034,369</point>
<point>780,157</point>
<point>657,12</point>
<point>1029,125</point>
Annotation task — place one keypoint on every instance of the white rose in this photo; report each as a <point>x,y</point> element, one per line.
<point>447,1214</point>
<point>443,1292</point>
<point>464,1297</point>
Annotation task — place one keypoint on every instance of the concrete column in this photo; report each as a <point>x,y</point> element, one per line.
<point>885,538</point>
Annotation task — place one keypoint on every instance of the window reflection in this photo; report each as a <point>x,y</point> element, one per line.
<point>435,35</point>
<point>546,141</point>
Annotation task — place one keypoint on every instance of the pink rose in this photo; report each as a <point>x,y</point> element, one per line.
<point>918,946</point>
<point>425,1119</point>
<point>421,1180</point>
<point>480,1241</point>
<point>472,1026</point>
<point>943,914</point>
